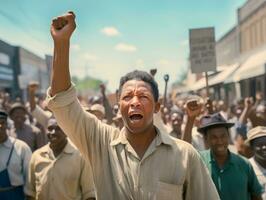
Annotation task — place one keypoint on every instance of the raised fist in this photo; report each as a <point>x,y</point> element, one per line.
<point>33,86</point>
<point>63,26</point>
<point>193,108</point>
<point>102,87</point>
<point>153,72</point>
<point>248,102</point>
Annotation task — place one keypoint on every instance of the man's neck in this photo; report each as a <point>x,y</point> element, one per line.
<point>141,141</point>
<point>177,131</point>
<point>221,159</point>
<point>19,126</point>
<point>58,149</point>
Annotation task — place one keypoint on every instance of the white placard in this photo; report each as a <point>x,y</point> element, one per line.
<point>202,50</point>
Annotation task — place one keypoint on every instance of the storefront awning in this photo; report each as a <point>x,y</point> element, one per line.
<point>224,75</point>
<point>218,78</point>
<point>252,67</point>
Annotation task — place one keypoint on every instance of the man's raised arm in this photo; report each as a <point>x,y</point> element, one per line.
<point>62,28</point>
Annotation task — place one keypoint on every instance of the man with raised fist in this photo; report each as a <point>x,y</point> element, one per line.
<point>138,162</point>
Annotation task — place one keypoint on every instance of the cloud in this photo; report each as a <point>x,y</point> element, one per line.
<point>125,47</point>
<point>184,43</point>
<point>75,47</point>
<point>110,31</point>
<point>164,62</point>
<point>90,57</point>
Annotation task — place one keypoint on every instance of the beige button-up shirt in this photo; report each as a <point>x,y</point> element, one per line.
<point>66,177</point>
<point>170,168</point>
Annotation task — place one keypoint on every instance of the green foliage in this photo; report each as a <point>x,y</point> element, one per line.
<point>87,83</point>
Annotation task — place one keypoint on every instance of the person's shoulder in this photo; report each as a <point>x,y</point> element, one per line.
<point>183,146</point>
<point>240,160</point>
<point>21,146</point>
<point>41,150</point>
<point>38,154</point>
<point>205,153</point>
<point>34,129</point>
<point>19,143</point>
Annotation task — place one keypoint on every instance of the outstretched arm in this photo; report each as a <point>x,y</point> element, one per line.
<point>193,109</point>
<point>62,28</point>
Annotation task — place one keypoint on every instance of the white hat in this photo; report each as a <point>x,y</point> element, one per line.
<point>259,131</point>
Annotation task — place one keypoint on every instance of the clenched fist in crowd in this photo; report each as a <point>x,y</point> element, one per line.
<point>63,26</point>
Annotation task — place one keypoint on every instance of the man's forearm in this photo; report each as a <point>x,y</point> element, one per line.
<point>108,110</point>
<point>32,101</point>
<point>244,116</point>
<point>60,77</point>
<point>187,135</point>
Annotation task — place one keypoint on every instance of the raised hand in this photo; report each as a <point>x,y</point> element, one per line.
<point>153,72</point>
<point>248,102</point>
<point>193,108</point>
<point>209,106</point>
<point>33,86</point>
<point>63,26</point>
<point>102,87</point>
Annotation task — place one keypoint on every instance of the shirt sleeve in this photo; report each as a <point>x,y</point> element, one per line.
<point>199,184</point>
<point>41,116</point>
<point>90,136</point>
<point>253,184</point>
<point>86,181</point>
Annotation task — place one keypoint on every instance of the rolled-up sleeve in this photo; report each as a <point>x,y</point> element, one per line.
<point>200,185</point>
<point>86,181</point>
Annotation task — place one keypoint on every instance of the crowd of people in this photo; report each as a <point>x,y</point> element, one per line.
<point>143,147</point>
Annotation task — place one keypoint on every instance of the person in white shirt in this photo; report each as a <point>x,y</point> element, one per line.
<point>256,138</point>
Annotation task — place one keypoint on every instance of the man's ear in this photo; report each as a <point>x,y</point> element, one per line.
<point>157,107</point>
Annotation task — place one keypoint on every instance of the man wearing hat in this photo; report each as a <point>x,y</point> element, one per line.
<point>23,131</point>
<point>58,171</point>
<point>256,139</point>
<point>14,159</point>
<point>232,175</point>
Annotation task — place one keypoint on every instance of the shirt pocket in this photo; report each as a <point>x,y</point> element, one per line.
<point>166,191</point>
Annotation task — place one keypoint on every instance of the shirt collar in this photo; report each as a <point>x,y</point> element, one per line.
<point>162,138</point>
<point>69,148</point>
<point>229,160</point>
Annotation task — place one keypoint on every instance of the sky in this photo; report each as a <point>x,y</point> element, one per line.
<point>114,37</point>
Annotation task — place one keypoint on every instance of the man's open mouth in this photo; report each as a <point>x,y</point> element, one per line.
<point>135,117</point>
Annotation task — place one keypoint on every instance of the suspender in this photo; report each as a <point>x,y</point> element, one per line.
<point>10,154</point>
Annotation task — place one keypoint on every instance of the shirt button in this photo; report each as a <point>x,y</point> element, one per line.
<point>221,171</point>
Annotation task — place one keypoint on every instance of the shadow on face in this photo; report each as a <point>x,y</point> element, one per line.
<point>18,115</point>
<point>259,147</point>
<point>55,135</point>
<point>217,138</point>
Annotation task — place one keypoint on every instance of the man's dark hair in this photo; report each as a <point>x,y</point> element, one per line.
<point>140,76</point>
